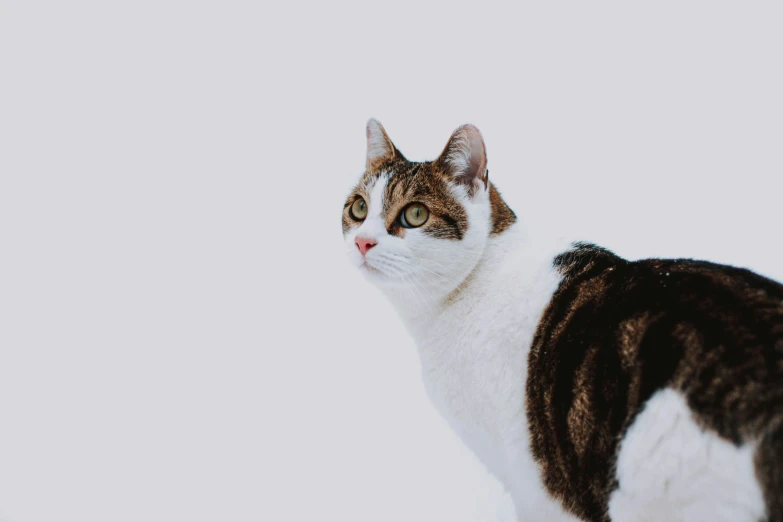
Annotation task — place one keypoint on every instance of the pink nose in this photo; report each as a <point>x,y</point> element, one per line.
<point>364,244</point>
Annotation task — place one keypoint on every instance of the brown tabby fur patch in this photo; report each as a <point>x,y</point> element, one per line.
<point>425,183</point>
<point>616,332</point>
<point>502,216</point>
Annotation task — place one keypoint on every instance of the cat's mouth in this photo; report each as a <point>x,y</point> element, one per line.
<point>373,272</point>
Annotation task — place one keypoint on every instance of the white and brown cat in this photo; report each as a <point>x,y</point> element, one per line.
<point>593,387</point>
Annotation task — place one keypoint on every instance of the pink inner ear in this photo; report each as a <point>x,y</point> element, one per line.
<point>466,157</point>
<point>478,160</point>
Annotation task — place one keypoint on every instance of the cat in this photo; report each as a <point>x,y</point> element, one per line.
<point>594,388</point>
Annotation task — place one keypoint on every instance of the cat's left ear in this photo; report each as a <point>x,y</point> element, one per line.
<point>465,159</point>
<point>380,148</point>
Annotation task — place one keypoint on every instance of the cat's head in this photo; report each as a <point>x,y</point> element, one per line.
<point>421,227</point>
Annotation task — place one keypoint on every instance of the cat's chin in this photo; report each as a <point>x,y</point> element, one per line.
<point>377,276</point>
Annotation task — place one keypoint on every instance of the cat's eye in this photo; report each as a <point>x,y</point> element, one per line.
<point>414,215</point>
<point>359,209</point>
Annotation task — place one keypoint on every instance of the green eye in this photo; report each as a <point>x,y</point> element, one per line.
<point>359,209</point>
<point>414,215</point>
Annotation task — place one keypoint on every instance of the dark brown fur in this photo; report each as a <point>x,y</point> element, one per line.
<point>616,332</point>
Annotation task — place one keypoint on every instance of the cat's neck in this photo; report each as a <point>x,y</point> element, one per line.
<point>514,254</point>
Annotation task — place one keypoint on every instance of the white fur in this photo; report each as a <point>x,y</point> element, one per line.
<point>671,470</point>
<point>474,363</point>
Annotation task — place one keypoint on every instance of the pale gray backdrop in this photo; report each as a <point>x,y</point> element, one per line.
<point>181,338</point>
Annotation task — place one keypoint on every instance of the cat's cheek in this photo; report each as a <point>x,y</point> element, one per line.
<point>417,242</point>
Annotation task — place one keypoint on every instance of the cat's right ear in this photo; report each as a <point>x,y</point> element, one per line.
<point>379,147</point>
<point>465,159</point>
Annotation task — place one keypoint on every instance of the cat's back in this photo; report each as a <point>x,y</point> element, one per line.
<point>659,359</point>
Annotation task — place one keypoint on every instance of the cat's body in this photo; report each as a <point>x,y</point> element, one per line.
<point>592,387</point>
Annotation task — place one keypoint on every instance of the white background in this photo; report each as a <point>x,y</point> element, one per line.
<point>181,337</point>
